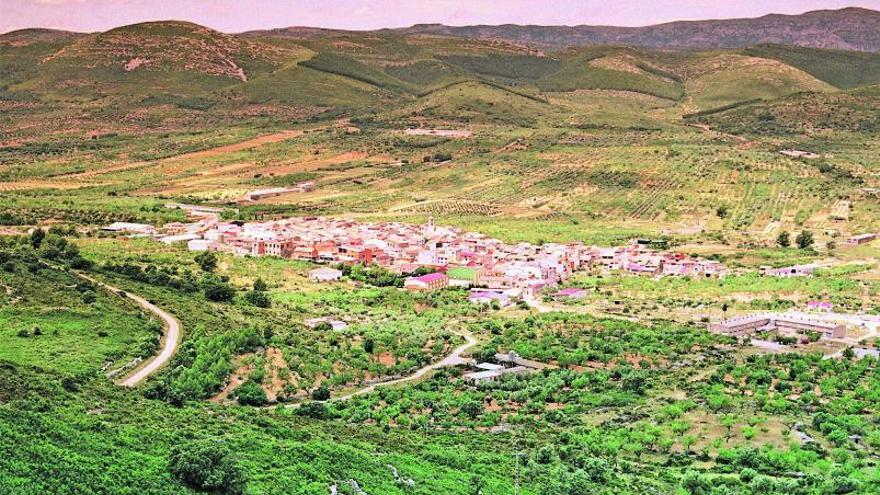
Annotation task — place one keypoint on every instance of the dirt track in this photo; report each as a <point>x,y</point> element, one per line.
<point>195,155</point>
<point>451,359</point>
<point>170,339</point>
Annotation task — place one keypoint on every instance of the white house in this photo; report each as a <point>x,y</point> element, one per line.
<point>325,274</point>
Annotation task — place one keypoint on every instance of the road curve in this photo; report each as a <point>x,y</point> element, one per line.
<point>171,337</point>
<point>451,359</point>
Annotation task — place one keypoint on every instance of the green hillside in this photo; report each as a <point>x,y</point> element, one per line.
<point>808,113</point>
<point>609,68</point>
<point>844,69</point>
<point>172,57</point>
<point>479,103</point>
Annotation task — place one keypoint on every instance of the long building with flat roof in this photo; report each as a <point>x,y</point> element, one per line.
<point>782,322</point>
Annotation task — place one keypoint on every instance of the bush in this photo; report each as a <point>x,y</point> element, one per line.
<point>251,394</point>
<point>258,298</point>
<point>217,289</point>
<point>207,261</point>
<point>206,466</point>
<point>804,240</point>
<point>314,410</point>
<point>321,393</point>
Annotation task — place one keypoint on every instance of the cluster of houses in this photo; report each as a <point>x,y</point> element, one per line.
<point>496,272</point>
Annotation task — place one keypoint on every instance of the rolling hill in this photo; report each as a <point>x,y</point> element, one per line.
<point>163,74</point>
<point>168,56</point>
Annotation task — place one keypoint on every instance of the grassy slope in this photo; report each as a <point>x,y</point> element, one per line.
<point>843,69</point>
<point>92,442</point>
<point>584,71</point>
<point>478,102</point>
<point>715,80</point>
<point>70,340</point>
<point>854,111</point>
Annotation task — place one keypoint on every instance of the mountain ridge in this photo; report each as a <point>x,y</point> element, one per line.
<point>848,28</point>
<point>851,28</point>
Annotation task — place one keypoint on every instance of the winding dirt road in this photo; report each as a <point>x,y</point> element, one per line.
<point>451,359</point>
<point>170,340</point>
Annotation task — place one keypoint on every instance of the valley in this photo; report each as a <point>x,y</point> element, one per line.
<point>473,260</point>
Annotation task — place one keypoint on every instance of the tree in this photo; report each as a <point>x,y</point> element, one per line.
<point>321,393</point>
<point>206,466</point>
<point>258,298</point>
<point>314,410</point>
<point>37,237</point>
<point>804,240</point>
<point>251,394</point>
<point>728,421</point>
<point>207,261</point>
<point>260,285</point>
<point>695,483</point>
<point>784,239</point>
<point>472,409</point>
<point>216,289</point>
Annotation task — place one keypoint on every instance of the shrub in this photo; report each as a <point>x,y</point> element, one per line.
<point>314,410</point>
<point>217,289</point>
<point>251,394</point>
<point>258,298</point>
<point>321,393</point>
<point>206,466</point>
<point>207,261</point>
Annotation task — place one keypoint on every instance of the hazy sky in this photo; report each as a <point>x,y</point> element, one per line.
<point>241,15</point>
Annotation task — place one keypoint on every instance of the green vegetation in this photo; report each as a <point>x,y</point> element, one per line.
<point>843,69</point>
<point>599,145</point>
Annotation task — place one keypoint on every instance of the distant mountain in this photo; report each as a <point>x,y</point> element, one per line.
<point>22,37</point>
<point>845,29</point>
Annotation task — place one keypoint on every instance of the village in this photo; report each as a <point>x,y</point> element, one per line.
<point>497,274</point>
<point>495,271</point>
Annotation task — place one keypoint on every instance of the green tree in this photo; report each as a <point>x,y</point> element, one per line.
<point>476,485</point>
<point>260,285</point>
<point>206,466</point>
<point>321,393</point>
<point>251,394</point>
<point>784,239</point>
<point>217,289</point>
<point>37,237</point>
<point>804,240</point>
<point>207,261</point>
<point>258,298</point>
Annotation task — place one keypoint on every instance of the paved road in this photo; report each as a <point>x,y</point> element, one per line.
<point>171,337</point>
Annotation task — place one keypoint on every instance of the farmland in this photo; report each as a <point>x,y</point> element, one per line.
<point>287,384</point>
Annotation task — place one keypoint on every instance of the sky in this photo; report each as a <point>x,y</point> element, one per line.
<point>243,15</point>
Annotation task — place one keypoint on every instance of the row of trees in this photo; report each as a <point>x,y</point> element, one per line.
<point>804,239</point>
